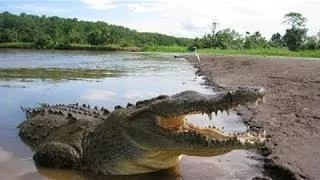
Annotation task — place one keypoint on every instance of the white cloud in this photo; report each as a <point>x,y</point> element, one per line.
<point>100,4</point>
<point>98,95</point>
<point>40,9</point>
<point>145,7</point>
<point>191,18</point>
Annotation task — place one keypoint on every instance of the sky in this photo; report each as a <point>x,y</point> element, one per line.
<point>183,18</point>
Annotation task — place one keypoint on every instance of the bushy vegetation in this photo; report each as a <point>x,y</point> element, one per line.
<point>65,33</point>
<point>230,39</point>
<point>294,39</point>
<point>30,31</point>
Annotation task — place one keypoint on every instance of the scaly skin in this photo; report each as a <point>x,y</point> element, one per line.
<point>141,138</point>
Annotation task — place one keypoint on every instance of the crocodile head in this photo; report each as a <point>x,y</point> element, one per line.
<point>159,128</point>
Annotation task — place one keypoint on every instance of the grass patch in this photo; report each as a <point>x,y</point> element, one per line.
<point>261,52</point>
<point>264,52</point>
<point>57,73</point>
<point>17,45</point>
<point>176,49</point>
<point>101,48</point>
<point>22,45</point>
<point>173,49</point>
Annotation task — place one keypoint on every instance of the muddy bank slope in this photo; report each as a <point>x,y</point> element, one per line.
<point>291,113</point>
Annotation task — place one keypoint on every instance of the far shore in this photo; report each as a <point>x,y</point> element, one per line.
<point>167,49</point>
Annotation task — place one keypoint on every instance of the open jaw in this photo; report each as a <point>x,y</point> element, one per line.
<point>206,138</point>
<point>183,126</point>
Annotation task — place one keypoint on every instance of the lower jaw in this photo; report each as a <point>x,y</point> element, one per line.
<point>208,132</point>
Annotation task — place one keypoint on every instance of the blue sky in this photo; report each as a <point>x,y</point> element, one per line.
<point>186,18</point>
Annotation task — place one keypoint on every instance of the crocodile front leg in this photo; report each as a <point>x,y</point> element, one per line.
<point>57,155</point>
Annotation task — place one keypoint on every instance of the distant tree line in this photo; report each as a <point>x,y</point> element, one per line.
<point>294,39</point>
<point>56,32</point>
<point>61,33</point>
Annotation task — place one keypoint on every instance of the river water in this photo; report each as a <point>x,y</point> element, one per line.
<point>29,77</point>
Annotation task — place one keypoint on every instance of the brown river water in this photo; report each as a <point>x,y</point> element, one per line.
<point>28,78</point>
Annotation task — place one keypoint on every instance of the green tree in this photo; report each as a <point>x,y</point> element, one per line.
<point>310,43</point>
<point>295,20</point>
<point>197,43</point>
<point>255,41</point>
<point>208,40</point>
<point>294,36</point>
<point>228,39</point>
<point>96,38</point>
<point>318,37</point>
<point>8,35</point>
<point>276,40</point>
<point>75,36</point>
<point>223,39</point>
<point>42,41</point>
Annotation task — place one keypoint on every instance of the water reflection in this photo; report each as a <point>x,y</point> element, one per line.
<point>168,174</point>
<point>57,73</point>
<point>98,95</point>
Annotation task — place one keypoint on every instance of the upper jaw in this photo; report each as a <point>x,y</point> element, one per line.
<point>191,102</point>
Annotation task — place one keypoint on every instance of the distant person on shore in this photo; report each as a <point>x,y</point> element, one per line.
<point>197,64</point>
<point>197,56</point>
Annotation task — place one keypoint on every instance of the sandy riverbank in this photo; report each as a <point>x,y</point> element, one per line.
<point>291,113</point>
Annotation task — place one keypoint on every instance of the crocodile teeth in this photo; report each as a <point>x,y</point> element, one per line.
<point>262,135</point>
<point>250,135</point>
<point>210,116</point>
<point>216,112</point>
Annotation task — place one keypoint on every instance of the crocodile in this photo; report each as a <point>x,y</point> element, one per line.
<point>144,137</point>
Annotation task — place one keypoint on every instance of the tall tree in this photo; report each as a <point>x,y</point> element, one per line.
<point>294,36</point>
<point>295,20</point>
